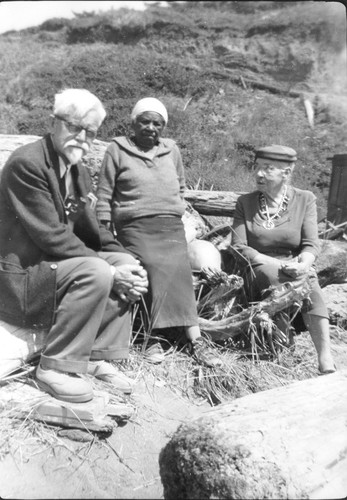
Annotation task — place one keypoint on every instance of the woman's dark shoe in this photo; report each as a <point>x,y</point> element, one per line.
<point>204,353</point>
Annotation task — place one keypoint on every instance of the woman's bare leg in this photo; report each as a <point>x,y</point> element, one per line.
<point>318,328</point>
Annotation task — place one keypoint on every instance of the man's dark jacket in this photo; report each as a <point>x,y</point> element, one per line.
<point>35,235</point>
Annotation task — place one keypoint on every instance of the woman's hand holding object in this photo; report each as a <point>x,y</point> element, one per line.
<point>295,269</point>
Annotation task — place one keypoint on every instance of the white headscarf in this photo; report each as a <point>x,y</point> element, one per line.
<point>149,104</point>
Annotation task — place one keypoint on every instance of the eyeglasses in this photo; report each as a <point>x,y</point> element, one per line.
<point>76,129</point>
<point>269,168</point>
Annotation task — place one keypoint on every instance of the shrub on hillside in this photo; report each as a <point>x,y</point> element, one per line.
<point>175,78</point>
<point>9,118</point>
<point>106,73</point>
<point>34,122</point>
<point>54,24</point>
<point>129,27</point>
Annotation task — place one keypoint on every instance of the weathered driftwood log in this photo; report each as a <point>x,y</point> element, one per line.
<point>18,346</point>
<point>288,442</point>
<point>290,294</point>
<point>332,232</point>
<point>8,143</point>
<point>220,203</point>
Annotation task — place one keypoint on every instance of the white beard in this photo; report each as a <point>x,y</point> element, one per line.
<point>73,154</point>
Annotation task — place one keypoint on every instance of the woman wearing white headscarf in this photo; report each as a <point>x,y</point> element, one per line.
<point>140,192</point>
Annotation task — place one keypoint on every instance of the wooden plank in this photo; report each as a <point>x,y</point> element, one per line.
<point>26,400</point>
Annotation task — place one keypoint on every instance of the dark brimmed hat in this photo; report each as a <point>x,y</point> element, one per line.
<point>276,152</point>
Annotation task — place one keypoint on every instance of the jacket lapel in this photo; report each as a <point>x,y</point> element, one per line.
<point>53,169</point>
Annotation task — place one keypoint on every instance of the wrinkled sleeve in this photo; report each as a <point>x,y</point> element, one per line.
<point>239,233</point>
<point>309,230</point>
<point>106,184</point>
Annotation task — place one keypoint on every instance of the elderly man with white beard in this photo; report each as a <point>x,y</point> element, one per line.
<point>59,270</point>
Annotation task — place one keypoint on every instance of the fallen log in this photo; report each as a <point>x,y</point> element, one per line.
<point>288,442</point>
<point>8,143</point>
<point>281,298</point>
<point>333,232</point>
<point>18,346</point>
<point>217,203</point>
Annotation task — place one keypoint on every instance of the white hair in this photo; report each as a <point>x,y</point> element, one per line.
<point>77,101</point>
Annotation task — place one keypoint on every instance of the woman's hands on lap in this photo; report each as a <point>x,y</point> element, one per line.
<point>295,269</point>
<point>299,266</point>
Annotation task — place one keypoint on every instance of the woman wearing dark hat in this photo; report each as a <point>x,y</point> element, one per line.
<point>141,187</point>
<point>275,230</point>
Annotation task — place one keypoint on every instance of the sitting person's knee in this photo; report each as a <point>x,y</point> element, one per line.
<point>120,258</point>
<point>99,271</point>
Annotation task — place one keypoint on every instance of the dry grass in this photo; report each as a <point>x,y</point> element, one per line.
<point>241,373</point>
<point>21,435</point>
<point>258,359</point>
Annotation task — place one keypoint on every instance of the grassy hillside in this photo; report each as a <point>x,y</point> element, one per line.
<point>233,75</point>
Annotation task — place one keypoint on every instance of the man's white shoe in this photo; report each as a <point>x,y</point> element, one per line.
<point>64,386</point>
<point>109,373</point>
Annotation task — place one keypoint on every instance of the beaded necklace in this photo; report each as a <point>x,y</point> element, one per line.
<point>264,209</point>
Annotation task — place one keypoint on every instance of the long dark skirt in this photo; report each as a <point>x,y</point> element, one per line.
<point>160,245</point>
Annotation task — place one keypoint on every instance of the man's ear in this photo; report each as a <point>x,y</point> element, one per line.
<point>51,121</point>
